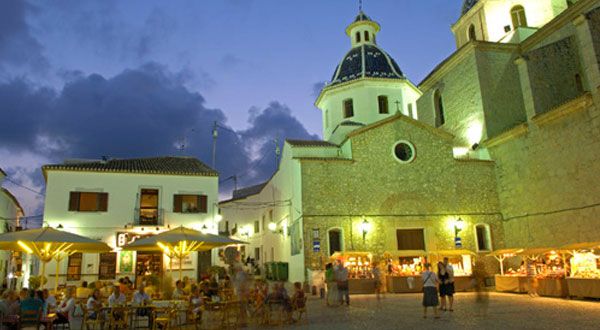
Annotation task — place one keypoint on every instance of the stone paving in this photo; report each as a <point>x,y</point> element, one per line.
<point>504,311</point>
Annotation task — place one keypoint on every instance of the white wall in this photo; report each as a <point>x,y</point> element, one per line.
<point>123,189</point>
<point>364,94</point>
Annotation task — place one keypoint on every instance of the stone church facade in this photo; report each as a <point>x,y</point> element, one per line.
<point>503,136</point>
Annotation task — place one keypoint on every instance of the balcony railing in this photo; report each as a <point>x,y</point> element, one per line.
<point>148,217</point>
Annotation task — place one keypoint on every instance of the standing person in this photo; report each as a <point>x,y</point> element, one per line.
<point>430,295</point>
<point>377,277</point>
<point>443,276</point>
<point>532,275</point>
<point>342,284</point>
<point>449,284</point>
<point>331,284</point>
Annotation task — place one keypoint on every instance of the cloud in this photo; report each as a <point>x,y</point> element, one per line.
<point>18,48</point>
<point>140,112</point>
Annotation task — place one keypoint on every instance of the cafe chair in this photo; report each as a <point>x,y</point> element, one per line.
<point>301,311</point>
<point>119,317</point>
<point>194,318</point>
<point>30,317</point>
<point>91,323</point>
<point>275,313</point>
<point>9,321</point>
<point>163,319</point>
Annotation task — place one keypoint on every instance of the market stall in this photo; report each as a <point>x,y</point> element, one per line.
<point>511,280</point>
<point>462,263</point>
<point>584,279</point>
<point>360,276</point>
<point>403,271</point>
<point>550,271</point>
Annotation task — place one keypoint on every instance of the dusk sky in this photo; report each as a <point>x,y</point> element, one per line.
<point>124,78</point>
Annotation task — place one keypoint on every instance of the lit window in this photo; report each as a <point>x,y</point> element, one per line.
<point>366,35</point>
<point>74,267</point>
<point>357,37</point>
<point>382,100</point>
<point>348,108</point>
<point>189,203</point>
<point>518,16</point>
<point>88,201</point>
<point>439,109</point>
<point>484,241</point>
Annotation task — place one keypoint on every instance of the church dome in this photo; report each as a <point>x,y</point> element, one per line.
<point>366,60</point>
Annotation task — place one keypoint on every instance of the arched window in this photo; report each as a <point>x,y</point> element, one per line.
<point>366,35</point>
<point>472,34</point>
<point>382,100</point>
<point>439,109</point>
<point>484,238</point>
<point>336,240</point>
<point>518,16</point>
<point>348,108</point>
<point>358,36</point>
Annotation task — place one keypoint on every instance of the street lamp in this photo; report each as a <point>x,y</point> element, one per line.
<point>365,227</point>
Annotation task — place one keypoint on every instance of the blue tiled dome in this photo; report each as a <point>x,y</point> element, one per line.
<point>467,5</point>
<point>377,64</point>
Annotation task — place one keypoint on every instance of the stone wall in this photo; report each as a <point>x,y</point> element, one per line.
<point>548,182</point>
<point>500,91</point>
<point>552,71</point>
<point>430,193</point>
<point>594,17</point>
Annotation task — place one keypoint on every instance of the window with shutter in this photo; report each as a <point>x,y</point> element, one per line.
<point>108,266</point>
<point>74,267</point>
<point>190,204</point>
<point>88,201</point>
<point>74,201</point>
<point>410,239</point>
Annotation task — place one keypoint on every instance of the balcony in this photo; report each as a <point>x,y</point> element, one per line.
<point>148,217</point>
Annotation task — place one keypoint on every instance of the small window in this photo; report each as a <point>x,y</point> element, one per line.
<point>263,223</point>
<point>256,227</point>
<point>404,151</point>
<point>88,201</point>
<point>108,266</point>
<point>74,267</point>
<point>257,254</point>
<point>519,19</point>
<point>335,241</point>
<point>410,239</point>
<point>367,36</point>
<point>270,215</point>
<point>190,204</point>
<point>410,110</point>
<point>440,118</point>
<point>383,104</point>
<point>579,83</point>
<point>483,238</point>
<point>472,34</point>
<point>348,108</point>
<point>357,37</point>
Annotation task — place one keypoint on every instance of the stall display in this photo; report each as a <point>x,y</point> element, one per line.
<point>360,276</point>
<point>404,271</point>
<point>462,263</point>
<point>584,280</point>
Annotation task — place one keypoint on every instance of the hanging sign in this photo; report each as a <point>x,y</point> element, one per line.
<point>316,246</point>
<point>458,242</point>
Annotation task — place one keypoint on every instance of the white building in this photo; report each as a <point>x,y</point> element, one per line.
<point>120,200</point>
<point>10,214</point>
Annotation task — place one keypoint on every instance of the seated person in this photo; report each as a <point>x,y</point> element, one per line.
<point>179,294</point>
<point>31,303</point>
<point>94,304</point>
<point>117,298</point>
<point>83,292</point>
<point>196,300</point>
<point>141,298</point>
<point>298,297</point>
<point>66,308</point>
<point>49,299</point>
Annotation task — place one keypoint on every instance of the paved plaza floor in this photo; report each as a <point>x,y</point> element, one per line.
<point>503,311</point>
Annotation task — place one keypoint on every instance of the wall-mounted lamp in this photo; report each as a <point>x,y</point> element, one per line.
<point>459,225</point>
<point>272,226</point>
<point>365,227</point>
<point>60,226</point>
<point>475,146</point>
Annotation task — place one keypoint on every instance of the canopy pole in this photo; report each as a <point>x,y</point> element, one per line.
<point>180,267</point>
<point>42,284</point>
<point>56,278</point>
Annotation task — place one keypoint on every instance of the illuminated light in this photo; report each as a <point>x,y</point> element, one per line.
<point>164,247</point>
<point>459,224</point>
<point>366,226</point>
<point>218,218</point>
<point>474,133</point>
<point>460,152</point>
<point>272,226</point>
<point>25,247</point>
